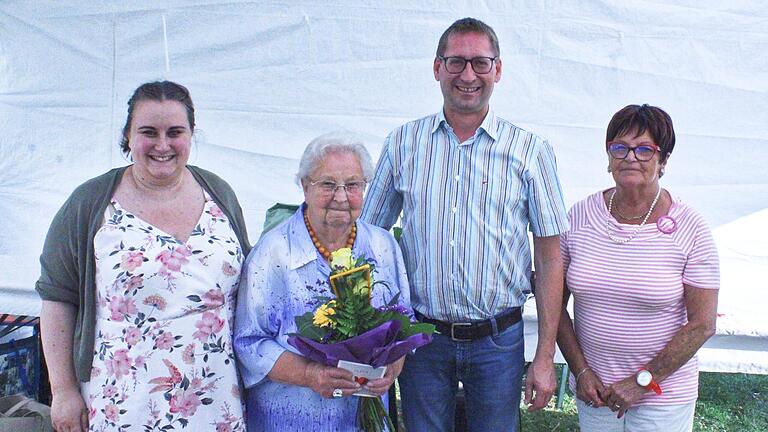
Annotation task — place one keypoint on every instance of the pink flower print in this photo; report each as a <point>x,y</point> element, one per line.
<point>213,298</point>
<point>188,356</point>
<point>133,282</point>
<point>216,211</point>
<point>121,308</point>
<point>139,362</point>
<point>95,372</point>
<point>111,411</point>
<point>119,364</point>
<point>156,301</point>
<point>131,261</point>
<point>166,383</point>
<point>132,336</point>
<point>209,324</point>
<point>91,413</point>
<point>173,260</point>
<point>196,383</point>
<point>184,402</point>
<point>228,269</point>
<point>110,391</point>
<point>223,427</point>
<point>164,341</point>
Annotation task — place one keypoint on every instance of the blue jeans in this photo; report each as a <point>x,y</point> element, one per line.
<point>490,369</point>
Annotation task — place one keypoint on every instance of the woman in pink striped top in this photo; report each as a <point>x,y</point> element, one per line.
<point>644,273</point>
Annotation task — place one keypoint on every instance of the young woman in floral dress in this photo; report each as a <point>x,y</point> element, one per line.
<point>139,275</point>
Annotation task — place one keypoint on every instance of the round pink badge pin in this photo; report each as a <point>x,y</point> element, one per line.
<point>666,224</point>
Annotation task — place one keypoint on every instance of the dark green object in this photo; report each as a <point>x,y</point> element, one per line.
<point>276,214</point>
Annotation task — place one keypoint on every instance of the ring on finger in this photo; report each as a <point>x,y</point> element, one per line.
<point>590,404</point>
<point>337,393</point>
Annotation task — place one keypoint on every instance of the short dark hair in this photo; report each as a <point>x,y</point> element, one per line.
<point>468,25</point>
<point>641,118</point>
<point>158,91</point>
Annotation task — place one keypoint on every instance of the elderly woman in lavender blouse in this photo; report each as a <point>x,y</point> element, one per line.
<point>282,278</point>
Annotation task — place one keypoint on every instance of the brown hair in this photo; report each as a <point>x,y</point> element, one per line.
<point>641,118</point>
<point>158,91</point>
<point>468,25</point>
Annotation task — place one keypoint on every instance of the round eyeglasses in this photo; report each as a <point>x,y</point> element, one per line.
<point>642,153</point>
<point>455,65</point>
<point>328,187</point>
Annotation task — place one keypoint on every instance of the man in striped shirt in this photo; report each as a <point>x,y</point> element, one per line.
<point>469,185</point>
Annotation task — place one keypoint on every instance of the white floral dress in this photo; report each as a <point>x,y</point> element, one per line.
<point>163,353</point>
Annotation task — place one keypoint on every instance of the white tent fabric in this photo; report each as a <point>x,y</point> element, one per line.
<point>267,77</point>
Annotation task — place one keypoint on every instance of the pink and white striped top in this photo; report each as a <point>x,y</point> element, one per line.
<point>628,298</point>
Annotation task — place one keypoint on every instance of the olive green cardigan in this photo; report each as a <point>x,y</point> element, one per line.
<point>68,266</point>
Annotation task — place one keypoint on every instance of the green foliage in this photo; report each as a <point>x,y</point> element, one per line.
<point>353,313</point>
<point>727,402</point>
<point>307,328</point>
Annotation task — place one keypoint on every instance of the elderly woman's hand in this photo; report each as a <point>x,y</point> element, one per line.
<point>382,385</point>
<point>623,394</point>
<point>590,389</point>
<point>325,379</point>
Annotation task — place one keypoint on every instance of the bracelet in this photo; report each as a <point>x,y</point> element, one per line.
<point>581,372</point>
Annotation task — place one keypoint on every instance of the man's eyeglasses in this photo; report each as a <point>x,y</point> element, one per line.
<point>642,152</point>
<point>455,65</point>
<point>328,187</point>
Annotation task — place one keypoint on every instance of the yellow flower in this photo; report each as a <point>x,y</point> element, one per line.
<point>342,258</point>
<point>322,313</point>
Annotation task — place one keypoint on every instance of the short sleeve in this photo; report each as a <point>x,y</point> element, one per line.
<point>546,208</point>
<point>383,202</point>
<point>702,269</point>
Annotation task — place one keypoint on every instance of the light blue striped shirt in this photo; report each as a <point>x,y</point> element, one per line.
<point>466,209</point>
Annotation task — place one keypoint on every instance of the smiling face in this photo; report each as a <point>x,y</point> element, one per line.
<point>160,140</point>
<point>630,172</point>
<point>467,92</point>
<point>338,209</point>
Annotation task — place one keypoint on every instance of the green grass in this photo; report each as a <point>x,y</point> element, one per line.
<point>727,403</point>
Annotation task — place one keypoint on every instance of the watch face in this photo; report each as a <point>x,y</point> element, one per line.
<point>644,378</point>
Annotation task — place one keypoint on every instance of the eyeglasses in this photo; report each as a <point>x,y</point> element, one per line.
<point>455,65</point>
<point>642,152</point>
<point>328,187</point>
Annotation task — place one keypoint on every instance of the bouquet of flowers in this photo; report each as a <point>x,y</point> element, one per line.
<point>348,328</point>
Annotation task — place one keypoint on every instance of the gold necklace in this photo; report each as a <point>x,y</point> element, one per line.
<point>322,249</point>
<point>636,230</point>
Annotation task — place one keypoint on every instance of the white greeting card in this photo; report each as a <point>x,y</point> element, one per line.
<point>363,373</point>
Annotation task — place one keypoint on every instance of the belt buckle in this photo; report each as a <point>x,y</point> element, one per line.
<point>453,328</point>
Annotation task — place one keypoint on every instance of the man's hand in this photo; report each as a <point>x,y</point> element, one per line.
<point>540,384</point>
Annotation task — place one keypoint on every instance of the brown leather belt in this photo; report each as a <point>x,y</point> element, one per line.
<point>467,331</point>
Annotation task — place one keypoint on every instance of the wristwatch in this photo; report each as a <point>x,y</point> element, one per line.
<point>644,379</point>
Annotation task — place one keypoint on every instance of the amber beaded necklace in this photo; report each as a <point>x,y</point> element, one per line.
<point>322,249</point>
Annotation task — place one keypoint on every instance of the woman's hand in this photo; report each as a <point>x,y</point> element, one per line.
<point>325,379</point>
<point>623,394</point>
<point>590,389</point>
<point>382,385</point>
<point>68,411</point>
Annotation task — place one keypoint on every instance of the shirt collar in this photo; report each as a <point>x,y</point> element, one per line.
<point>489,124</point>
<point>302,251</point>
